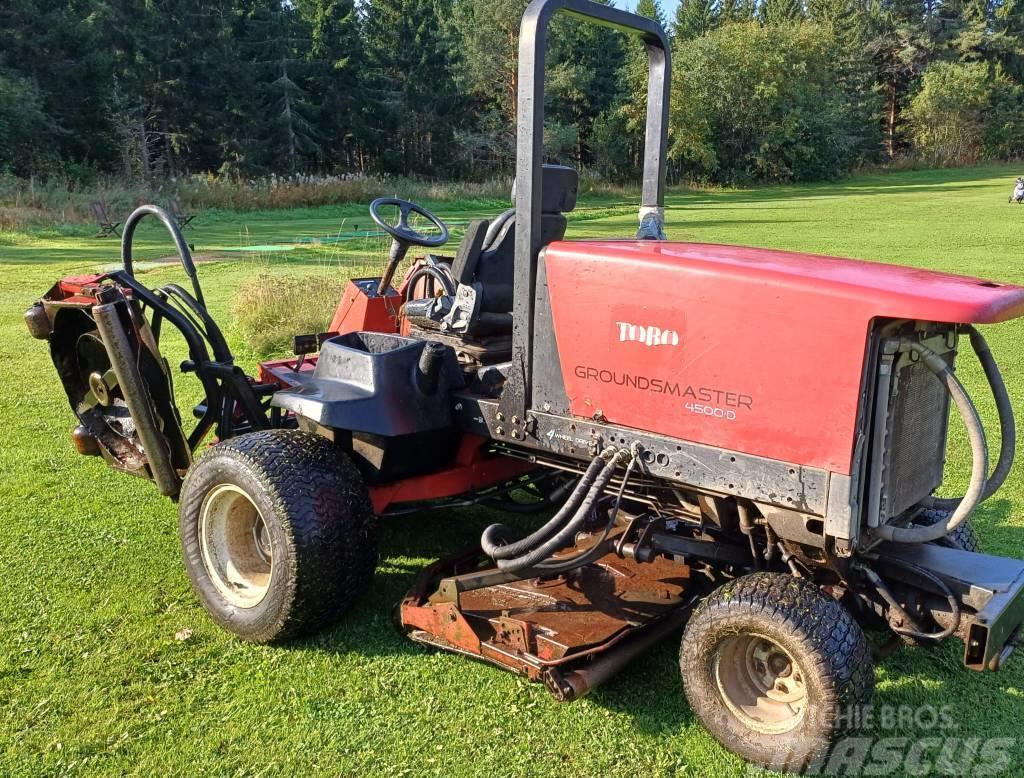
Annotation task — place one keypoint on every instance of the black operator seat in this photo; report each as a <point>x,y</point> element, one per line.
<point>486,254</point>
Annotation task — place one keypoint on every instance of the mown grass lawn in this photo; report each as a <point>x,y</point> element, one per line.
<point>92,589</point>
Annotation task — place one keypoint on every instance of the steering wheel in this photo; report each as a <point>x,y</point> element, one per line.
<point>402,235</point>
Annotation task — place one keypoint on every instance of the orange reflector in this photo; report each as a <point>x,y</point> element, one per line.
<point>85,443</point>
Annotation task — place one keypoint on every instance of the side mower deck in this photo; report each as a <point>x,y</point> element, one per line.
<point>570,632</point>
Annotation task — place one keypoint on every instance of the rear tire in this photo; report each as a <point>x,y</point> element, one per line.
<point>278,534</point>
<point>963,537</point>
<point>775,670</point>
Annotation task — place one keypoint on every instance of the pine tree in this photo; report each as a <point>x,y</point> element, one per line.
<point>283,114</point>
<point>652,10</point>
<point>635,76</point>
<point>695,18</point>
<point>582,84</point>
<point>486,34</point>
<point>1008,22</point>
<point>338,62</point>
<point>902,46</point>
<point>849,26</point>
<point>55,58</point>
<point>413,97</point>
<point>733,11</point>
<point>781,11</point>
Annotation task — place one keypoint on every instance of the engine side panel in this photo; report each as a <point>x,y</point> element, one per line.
<point>744,349</point>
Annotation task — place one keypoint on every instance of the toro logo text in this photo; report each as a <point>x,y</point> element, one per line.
<point>646,334</point>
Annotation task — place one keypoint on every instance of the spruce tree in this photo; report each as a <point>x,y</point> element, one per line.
<point>781,11</point>
<point>695,18</point>
<point>733,11</point>
<point>338,64</point>
<point>486,35</point>
<point>283,115</point>
<point>412,98</point>
<point>901,44</point>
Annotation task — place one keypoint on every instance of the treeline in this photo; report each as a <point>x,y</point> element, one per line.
<point>762,89</point>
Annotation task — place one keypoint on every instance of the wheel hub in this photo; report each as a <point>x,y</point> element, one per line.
<point>760,683</point>
<point>235,546</point>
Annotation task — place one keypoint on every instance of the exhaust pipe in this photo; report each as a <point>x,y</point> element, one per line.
<point>129,379</point>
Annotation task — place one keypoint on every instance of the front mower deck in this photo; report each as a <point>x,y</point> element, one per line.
<point>570,632</point>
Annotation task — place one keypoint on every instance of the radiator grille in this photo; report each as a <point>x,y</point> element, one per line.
<point>915,437</point>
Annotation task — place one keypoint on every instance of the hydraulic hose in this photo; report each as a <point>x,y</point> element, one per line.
<point>1007,424</point>
<point>979,455</point>
<point>555,567</point>
<point>567,532</point>
<point>128,235</point>
<point>492,540</point>
<point>914,630</point>
<point>433,272</point>
<point>496,228</point>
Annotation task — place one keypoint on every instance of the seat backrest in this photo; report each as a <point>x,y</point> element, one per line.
<point>493,264</point>
<point>468,256</point>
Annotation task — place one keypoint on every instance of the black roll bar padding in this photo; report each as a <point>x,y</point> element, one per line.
<point>184,255</point>
<point>533,35</point>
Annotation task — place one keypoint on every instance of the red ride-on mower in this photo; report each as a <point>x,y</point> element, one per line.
<point>743,441</point>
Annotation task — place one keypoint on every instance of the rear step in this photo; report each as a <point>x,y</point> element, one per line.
<point>989,588</point>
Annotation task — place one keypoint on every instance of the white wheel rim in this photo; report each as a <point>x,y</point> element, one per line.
<point>235,546</point>
<point>761,683</point>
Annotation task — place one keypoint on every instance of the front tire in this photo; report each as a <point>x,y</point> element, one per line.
<point>277,532</point>
<point>775,670</point>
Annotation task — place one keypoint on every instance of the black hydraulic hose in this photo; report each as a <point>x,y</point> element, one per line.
<point>599,548</point>
<point>979,455</point>
<point>497,226</point>
<point>184,255</point>
<point>566,534</point>
<point>221,350</point>
<point>433,272</point>
<point>553,568</point>
<point>1007,424</point>
<point>747,528</point>
<point>890,598</point>
<point>492,544</point>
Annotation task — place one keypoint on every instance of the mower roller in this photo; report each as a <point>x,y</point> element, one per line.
<point>744,441</point>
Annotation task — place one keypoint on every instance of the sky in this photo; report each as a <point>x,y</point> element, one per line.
<point>668,7</point>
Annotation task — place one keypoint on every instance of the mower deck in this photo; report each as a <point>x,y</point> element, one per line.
<point>570,632</point>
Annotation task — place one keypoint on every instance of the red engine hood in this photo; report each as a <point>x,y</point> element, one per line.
<point>894,291</point>
<point>744,349</point>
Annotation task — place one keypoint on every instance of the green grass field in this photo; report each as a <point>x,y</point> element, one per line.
<point>93,591</point>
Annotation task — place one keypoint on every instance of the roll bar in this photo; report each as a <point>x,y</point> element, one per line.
<point>533,38</point>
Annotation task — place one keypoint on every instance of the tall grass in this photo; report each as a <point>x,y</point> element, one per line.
<point>31,203</point>
<point>270,309</point>
<point>309,190</point>
<point>28,203</point>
